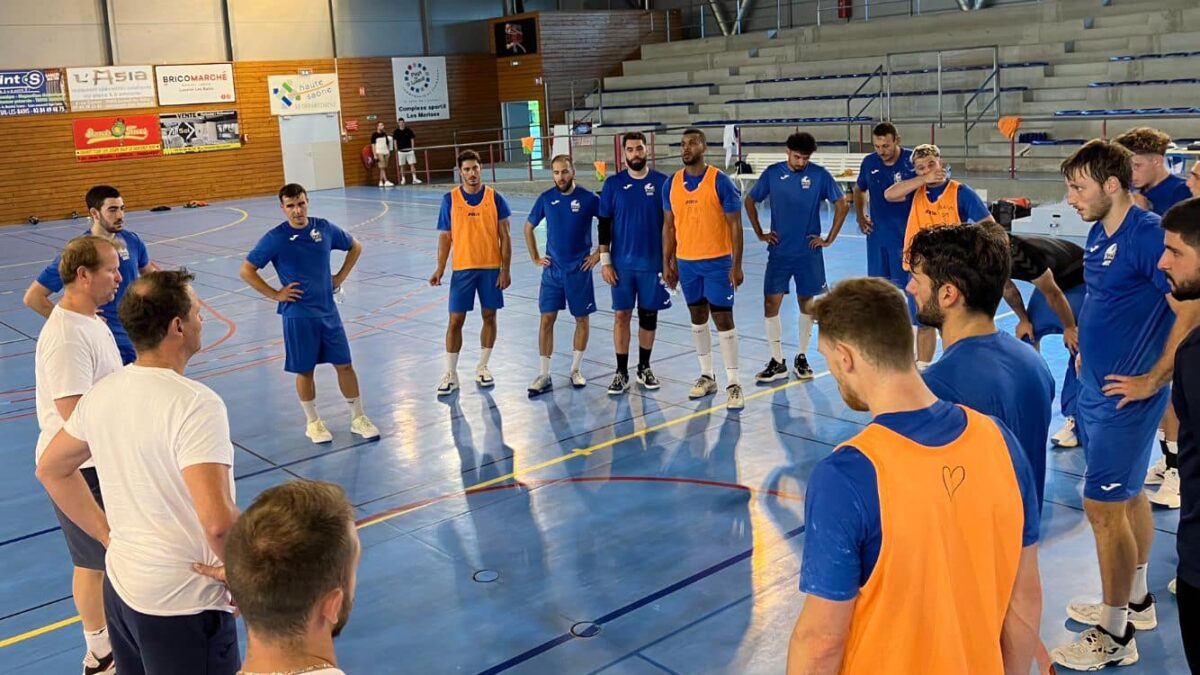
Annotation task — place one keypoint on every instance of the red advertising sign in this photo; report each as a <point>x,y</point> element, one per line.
<point>126,137</point>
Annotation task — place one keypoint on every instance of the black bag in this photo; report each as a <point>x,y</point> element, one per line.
<point>742,167</point>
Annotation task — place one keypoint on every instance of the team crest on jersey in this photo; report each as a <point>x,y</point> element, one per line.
<point>315,234</point>
<point>123,252</point>
<point>649,189</point>
<point>805,182</point>
<point>1109,254</point>
<point>897,177</point>
<point>575,206</point>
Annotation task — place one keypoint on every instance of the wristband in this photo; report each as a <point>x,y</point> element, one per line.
<point>605,258</point>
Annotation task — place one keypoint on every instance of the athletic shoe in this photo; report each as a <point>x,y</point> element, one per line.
<point>380,183</point>
<point>775,370</point>
<point>540,385</point>
<point>362,426</point>
<point>483,377</point>
<point>577,379</point>
<point>1171,586</point>
<point>416,181</point>
<point>619,384</point>
<point>801,368</point>
<point>402,181</point>
<point>1168,493</point>
<point>388,183</point>
<point>1065,436</point>
<point>448,384</point>
<point>1095,650</point>
<point>1157,471</point>
<point>734,399</point>
<point>317,432</point>
<point>1089,613</point>
<point>705,386</point>
<point>97,666</point>
<point>646,378</point>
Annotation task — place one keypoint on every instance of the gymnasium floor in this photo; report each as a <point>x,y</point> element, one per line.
<point>575,533</point>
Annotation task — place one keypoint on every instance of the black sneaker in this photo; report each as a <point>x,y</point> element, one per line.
<point>619,384</point>
<point>801,368</point>
<point>775,370</point>
<point>646,378</point>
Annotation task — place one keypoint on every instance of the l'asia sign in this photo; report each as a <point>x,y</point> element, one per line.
<point>102,138</point>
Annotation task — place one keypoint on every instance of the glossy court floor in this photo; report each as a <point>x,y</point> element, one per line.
<point>574,533</point>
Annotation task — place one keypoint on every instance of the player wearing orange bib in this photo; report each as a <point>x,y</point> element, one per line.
<point>937,200</point>
<point>900,577</point>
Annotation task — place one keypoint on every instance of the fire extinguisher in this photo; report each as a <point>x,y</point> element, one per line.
<point>845,8</point>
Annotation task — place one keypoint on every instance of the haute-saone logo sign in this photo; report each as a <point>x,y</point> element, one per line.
<point>420,86</point>
<point>304,94</point>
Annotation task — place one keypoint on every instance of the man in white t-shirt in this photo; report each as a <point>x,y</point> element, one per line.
<point>74,350</point>
<point>291,561</point>
<point>165,462</point>
<point>381,145</point>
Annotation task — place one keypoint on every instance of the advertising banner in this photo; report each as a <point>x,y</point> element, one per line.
<point>199,132</point>
<point>304,94</point>
<point>102,138</point>
<point>420,86</point>
<point>110,87</point>
<point>201,83</point>
<point>32,92</point>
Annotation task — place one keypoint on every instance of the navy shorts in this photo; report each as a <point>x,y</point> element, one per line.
<point>308,341</point>
<point>646,290</point>
<point>707,280</point>
<point>190,644</point>
<point>1116,443</point>
<point>808,273</point>
<point>884,262</point>
<point>567,289</point>
<point>85,551</point>
<point>466,284</point>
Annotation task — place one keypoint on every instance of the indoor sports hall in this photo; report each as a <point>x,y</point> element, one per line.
<point>575,531</point>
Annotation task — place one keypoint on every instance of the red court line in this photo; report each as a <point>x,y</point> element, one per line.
<point>231,327</point>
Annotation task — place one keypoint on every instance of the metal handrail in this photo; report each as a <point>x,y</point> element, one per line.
<point>880,73</point>
<point>968,125</point>
<point>597,89</point>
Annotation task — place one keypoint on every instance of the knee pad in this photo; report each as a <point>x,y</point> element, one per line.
<point>702,302</point>
<point>717,309</point>
<point>647,320</point>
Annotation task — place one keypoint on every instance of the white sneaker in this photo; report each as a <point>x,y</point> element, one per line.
<point>1089,613</point>
<point>388,183</point>
<point>1157,470</point>
<point>416,181</point>
<point>1171,586</point>
<point>1168,493</point>
<point>734,400</point>
<point>1065,436</point>
<point>483,377</point>
<point>704,386</point>
<point>540,385</point>
<point>1095,650</point>
<point>97,666</point>
<point>577,379</point>
<point>402,181</point>
<point>448,384</point>
<point>362,426</point>
<point>317,432</point>
<point>380,183</point>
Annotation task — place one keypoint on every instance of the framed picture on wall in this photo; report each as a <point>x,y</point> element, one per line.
<point>516,37</point>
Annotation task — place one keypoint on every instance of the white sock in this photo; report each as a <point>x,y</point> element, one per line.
<point>1173,447</point>
<point>485,353</point>
<point>452,364</point>
<point>576,360</point>
<point>545,368</point>
<point>922,366</point>
<point>775,337</point>
<point>97,642</point>
<point>310,410</point>
<point>916,341</point>
<point>729,354</point>
<point>355,404</point>
<point>702,339</point>
<point>1113,619</point>
<point>1138,595</point>
<point>806,324</point>
<point>1162,435</point>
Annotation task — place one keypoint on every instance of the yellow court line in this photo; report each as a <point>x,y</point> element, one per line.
<point>578,452</point>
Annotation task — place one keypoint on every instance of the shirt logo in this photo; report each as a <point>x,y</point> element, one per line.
<point>626,186</point>
<point>555,202</point>
<point>1110,487</point>
<point>952,479</point>
<point>294,237</point>
<point>1094,248</point>
<point>805,182</point>
<point>1109,254</point>
<point>315,234</point>
<point>123,253</point>
<point>575,206</point>
<point>874,171</point>
<point>785,176</point>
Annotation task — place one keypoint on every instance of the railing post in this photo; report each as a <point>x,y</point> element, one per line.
<point>653,158</point>
<point>778,16</point>
<point>1012,157</point>
<point>668,24</point>
<point>702,27</point>
<point>818,24</point>
<point>492,160</point>
<point>600,100</point>
<point>427,178</point>
<point>939,86</point>
<point>996,83</point>
<point>572,120</point>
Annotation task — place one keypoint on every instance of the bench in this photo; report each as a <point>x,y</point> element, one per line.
<point>842,165</point>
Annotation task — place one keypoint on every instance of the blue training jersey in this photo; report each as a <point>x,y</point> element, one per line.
<point>1172,190</point>
<point>1015,387</point>
<point>134,257</point>
<point>302,255</point>
<point>568,224</point>
<point>1125,318</point>
<point>796,198</point>
<point>635,205</point>
<point>890,218</point>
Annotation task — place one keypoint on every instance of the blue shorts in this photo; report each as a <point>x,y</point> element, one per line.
<point>707,280</point>
<point>124,344</point>
<point>562,289</point>
<point>807,271</point>
<point>884,262</point>
<point>1116,443</point>
<point>644,289</point>
<point>465,284</point>
<point>309,340</point>
<point>1041,315</point>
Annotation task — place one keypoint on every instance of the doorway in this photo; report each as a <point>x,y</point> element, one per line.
<point>522,119</point>
<point>312,150</point>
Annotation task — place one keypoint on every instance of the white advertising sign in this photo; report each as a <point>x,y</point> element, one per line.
<point>200,83</point>
<point>110,87</point>
<point>304,94</point>
<point>420,85</point>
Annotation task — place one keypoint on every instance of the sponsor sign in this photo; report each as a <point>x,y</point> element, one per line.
<point>420,86</point>
<point>201,83</point>
<point>32,92</point>
<point>199,132</point>
<point>110,87</point>
<point>304,94</point>
<point>125,137</point>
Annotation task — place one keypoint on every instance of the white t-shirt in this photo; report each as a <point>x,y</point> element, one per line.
<point>74,351</point>
<point>144,426</point>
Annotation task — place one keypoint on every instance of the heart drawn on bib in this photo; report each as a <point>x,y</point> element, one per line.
<point>953,479</point>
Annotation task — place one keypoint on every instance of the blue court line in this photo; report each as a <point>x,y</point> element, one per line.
<point>30,609</point>
<point>635,605</point>
<point>654,663</point>
<point>31,535</point>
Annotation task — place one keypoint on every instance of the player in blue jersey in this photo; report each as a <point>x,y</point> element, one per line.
<point>566,268</point>
<point>891,163</point>
<point>313,333</point>
<point>630,232</point>
<point>796,188</point>
<point>107,211</point>
<point>958,280</point>
<point>1129,327</point>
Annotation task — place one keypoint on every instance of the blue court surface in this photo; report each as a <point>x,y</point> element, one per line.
<point>573,533</point>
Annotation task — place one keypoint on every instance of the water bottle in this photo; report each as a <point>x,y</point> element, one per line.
<point>1055,221</point>
<point>339,294</point>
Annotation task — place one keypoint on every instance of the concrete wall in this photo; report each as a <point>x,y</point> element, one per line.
<point>52,33</point>
<point>148,31</point>
<point>379,28</point>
